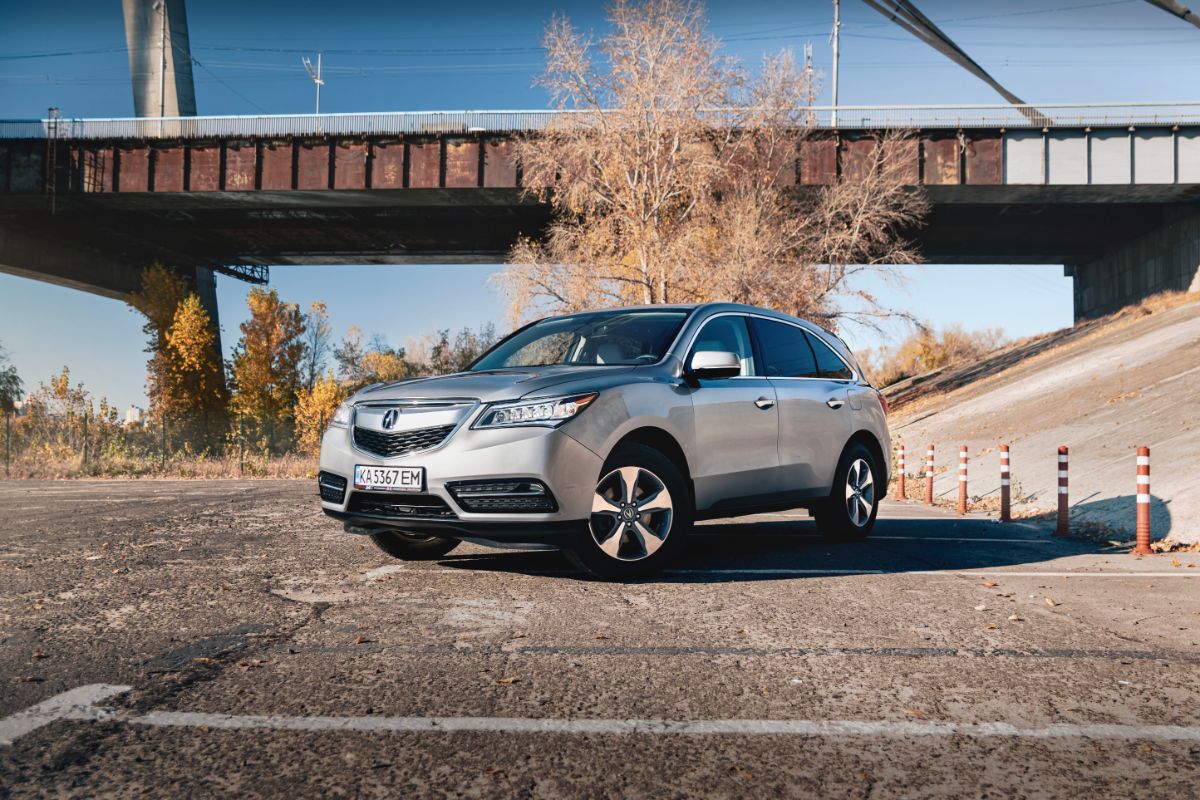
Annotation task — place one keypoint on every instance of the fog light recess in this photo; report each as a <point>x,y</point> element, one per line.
<point>507,496</point>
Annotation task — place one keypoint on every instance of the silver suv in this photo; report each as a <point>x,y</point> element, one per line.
<point>607,433</point>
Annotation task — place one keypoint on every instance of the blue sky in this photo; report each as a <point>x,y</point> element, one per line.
<point>476,55</point>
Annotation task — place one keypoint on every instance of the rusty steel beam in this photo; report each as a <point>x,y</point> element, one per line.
<point>356,163</point>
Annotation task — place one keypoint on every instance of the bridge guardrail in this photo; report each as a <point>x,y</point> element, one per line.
<point>1059,115</point>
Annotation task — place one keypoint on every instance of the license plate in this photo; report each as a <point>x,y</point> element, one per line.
<point>389,479</point>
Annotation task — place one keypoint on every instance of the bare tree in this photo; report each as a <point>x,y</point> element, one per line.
<point>672,176</point>
<point>318,344</point>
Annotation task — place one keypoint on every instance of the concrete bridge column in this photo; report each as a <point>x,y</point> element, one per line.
<point>1165,259</point>
<point>160,58</point>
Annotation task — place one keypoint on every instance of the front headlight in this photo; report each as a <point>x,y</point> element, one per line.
<point>341,417</point>
<point>547,412</point>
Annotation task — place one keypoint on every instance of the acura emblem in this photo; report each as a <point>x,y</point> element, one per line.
<point>389,419</point>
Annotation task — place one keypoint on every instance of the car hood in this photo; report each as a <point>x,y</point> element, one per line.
<point>494,385</point>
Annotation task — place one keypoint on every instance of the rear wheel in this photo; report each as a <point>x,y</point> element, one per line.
<point>412,546</point>
<point>849,512</point>
<point>641,515</point>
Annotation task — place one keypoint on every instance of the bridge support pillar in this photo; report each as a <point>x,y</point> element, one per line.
<point>207,288</point>
<point>1166,259</point>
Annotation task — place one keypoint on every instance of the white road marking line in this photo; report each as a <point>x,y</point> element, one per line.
<point>744,727</point>
<point>936,572</point>
<point>466,570</point>
<point>78,704</point>
<point>968,539</point>
<point>68,705</point>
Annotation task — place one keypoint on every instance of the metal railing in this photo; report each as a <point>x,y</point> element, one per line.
<point>1059,115</point>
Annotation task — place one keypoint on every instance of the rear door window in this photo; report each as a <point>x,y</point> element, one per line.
<point>785,350</point>
<point>829,363</point>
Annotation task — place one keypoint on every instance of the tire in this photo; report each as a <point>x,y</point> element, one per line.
<point>634,534</point>
<point>411,546</point>
<point>854,490</point>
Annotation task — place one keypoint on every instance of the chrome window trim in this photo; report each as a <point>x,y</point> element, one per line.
<point>472,412</point>
<point>749,333</point>
<point>855,377</point>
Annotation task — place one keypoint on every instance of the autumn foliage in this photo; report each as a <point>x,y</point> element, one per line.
<point>185,378</point>
<point>672,177</point>
<point>266,364</point>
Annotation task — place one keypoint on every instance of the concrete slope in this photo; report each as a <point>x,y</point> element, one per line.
<point>1129,382</point>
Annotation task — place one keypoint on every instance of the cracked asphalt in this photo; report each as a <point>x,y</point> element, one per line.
<point>239,602</point>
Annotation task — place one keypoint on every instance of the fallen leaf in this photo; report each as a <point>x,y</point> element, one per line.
<point>741,773</point>
<point>1175,562</point>
<point>40,654</point>
<point>1050,601</point>
<point>992,627</point>
<point>361,640</point>
<point>916,713</point>
<point>1014,618</point>
<point>507,681</point>
<point>763,689</point>
<point>204,660</point>
<point>990,584</point>
<point>599,636</point>
<point>981,608</point>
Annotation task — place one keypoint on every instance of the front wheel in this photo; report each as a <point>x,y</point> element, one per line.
<point>849,512</point>
<point>641,514</point>
<point>411,546</point>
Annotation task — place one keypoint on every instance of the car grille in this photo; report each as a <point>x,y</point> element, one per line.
<point>390,445</point>
<point>383,504</point>
<point>332,487</point>
<point>503,496</point>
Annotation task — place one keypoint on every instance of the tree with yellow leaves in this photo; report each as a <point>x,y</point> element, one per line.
<point>266,365</point>
<point>198,398</point>
<point>185,376</point>
<point>161,294</point>
<point>314,408</point>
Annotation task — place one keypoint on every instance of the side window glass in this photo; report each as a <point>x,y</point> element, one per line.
<point>828,362</point>
<point>785,350</point>
<point>727,334</point>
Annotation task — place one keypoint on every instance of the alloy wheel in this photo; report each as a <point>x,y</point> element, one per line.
<point>632,513</point>
<point>860,493</point>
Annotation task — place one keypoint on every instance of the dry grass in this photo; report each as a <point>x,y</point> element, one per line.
<point>936,392</point>
<point>286,466</point>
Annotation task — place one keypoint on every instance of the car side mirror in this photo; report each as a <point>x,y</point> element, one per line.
<point>715,364</point>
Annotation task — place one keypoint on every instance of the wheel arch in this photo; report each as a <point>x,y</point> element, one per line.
<point>663,442</point>
<point>869,441</point>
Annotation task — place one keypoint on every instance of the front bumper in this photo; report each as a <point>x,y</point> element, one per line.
<point>566,467</point>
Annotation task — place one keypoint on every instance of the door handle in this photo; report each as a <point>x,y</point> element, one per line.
<point>835,402</point>
<point>764,402</point>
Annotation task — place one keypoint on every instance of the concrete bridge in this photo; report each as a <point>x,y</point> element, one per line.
<point>1110,191</point>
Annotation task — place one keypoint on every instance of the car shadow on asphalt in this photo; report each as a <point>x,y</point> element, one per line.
<point>735,550</point>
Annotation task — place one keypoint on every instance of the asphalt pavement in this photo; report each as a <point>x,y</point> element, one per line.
<point>196,638</point>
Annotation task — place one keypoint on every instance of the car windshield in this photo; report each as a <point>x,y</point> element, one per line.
<point>597,338</point>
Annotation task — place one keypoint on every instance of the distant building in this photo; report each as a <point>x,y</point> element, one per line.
<point>133,416</point>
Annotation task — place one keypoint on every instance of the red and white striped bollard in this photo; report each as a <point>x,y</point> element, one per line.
<point>962,479</point>
<point>1143,503</point>
<point>1005,491</point>
<point>929,476</point>
<point>1064,523</point>
<point>900,463</point>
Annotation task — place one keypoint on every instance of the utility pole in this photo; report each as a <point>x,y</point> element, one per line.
<point>315,74</point>
<point>837,25</point>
